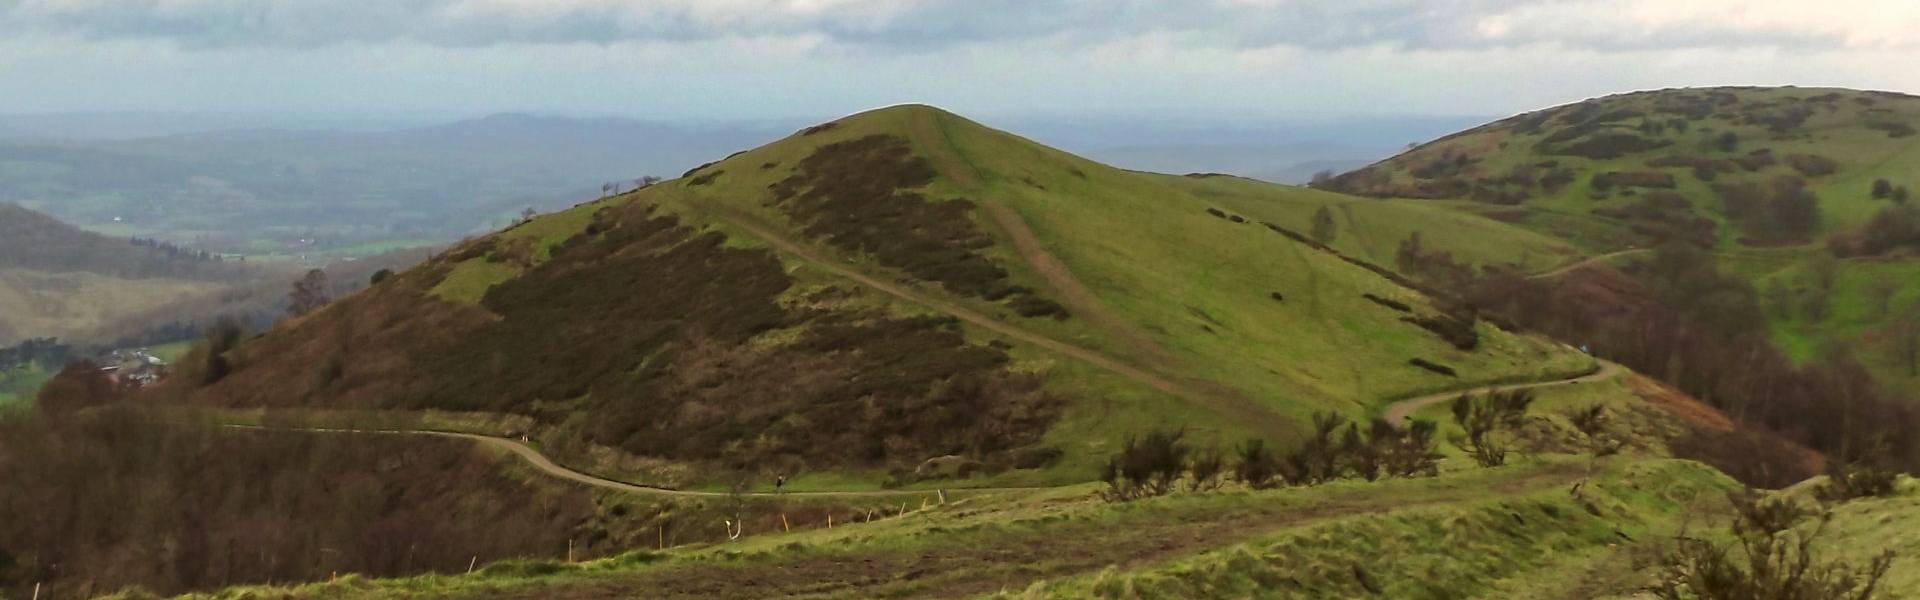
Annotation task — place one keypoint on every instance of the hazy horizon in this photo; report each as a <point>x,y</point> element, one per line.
<point>814,59</point>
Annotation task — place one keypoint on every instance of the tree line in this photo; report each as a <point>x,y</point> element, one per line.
<point>102,494</point>
<point>1677,318</point>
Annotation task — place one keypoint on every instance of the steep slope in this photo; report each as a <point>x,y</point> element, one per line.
<point>1804,193</point>
<point>872,293</point>
<point>58,280</point>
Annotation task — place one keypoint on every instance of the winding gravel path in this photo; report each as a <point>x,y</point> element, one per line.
<point>1398,412</point>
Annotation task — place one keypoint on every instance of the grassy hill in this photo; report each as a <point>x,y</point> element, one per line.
<point>1787,187</point>
<point>868,296</point>
<point>58,280</point>
<point>907,299</point>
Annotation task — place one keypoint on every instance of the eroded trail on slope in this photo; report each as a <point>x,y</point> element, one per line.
<point>967,561</point>
<point>1069,291</point>
<point>1226,402</point>
<point>543,464</point>
<point>931,136</point>
<point>1398,412</point>
<point>1562,270</point>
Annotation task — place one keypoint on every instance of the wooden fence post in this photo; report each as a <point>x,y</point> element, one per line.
<point>471,562</point>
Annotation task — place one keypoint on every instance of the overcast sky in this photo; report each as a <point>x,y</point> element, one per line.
<point>731,59</point>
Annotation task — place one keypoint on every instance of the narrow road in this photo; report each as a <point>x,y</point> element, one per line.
<point>546,465</point>
<point>1398,412</point>
<point>1556,272</point>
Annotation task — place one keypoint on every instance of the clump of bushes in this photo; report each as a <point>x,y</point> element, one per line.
<point>1389,303</point>
<point>1771,556</point>
<point>1893,129</point>
<point>705,178</point>
<point>1642,179</point>
<point>1890,228</point>
<point>1849,481</point>
<point>1663,215</point>
<point>1450,163</point>
<point>1028,305</point>
<point>1155,464</point>
<point>1781,211</point>
<point>1486,421</point>
<point>1456,327</point>
<point>1433,366</point>
<point>1146,467</point>
<point>1812,165</point>
<point>1756,160</point>
<point>1556,179</point>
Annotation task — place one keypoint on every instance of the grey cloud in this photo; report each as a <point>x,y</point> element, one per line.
<point>920,25</point>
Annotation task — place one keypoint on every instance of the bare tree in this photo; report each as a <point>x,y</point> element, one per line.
<point>309,293</point>
<point>1905,335</point>
<point>527,214</point>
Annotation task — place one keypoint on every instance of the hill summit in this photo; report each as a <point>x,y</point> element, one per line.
<point>886,291</point>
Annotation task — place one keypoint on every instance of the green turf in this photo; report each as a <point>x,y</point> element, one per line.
<point>17,386</point>
<point>1447,536</point>
<point>1862,528</point>
<point>1840,130</point>
<point>1373,229</point>
<point>470,280</point>
<point>1197,289</point>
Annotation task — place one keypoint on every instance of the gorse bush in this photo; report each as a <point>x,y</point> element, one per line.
<point>1772,557</point>
<point>1337,449</point>
<point>1853,480</point>
<point>1485,422</point>
<point>1257,467</point>
<point>1146,466</point>
<point>1591,421</point>
<point>1205,469</point>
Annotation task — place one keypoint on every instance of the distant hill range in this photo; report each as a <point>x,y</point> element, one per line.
<point>31,240</point>
<point>57,280</point>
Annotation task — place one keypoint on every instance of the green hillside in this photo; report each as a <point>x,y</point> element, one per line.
<point>1449,537</point>
<point>1803,192</point>
<point>869,295</point>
